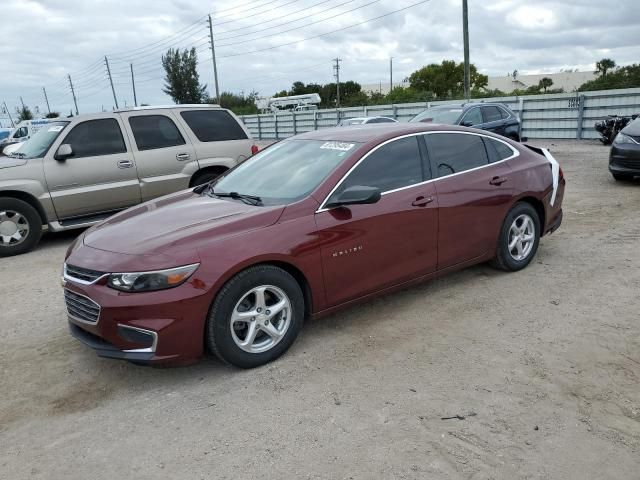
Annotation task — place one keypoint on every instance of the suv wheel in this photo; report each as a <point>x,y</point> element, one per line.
<point>256,317</point>
<point>20,227</point>
<point>519,238</point>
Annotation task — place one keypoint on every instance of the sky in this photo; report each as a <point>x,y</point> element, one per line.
<point>266,45</point>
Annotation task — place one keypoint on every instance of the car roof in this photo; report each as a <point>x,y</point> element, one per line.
<point>374,131</point>
<point>165,107</point>
<point>468,105</point>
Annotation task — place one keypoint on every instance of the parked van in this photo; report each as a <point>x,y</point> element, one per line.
<point>23,131</point>
<point>76,172</point>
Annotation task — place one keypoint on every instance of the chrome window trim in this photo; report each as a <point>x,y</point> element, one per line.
<point>79,281</point>
<point>151,349</point>
<point>73,317</point>
<point>515,154</point>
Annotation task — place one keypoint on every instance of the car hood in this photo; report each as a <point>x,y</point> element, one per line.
<point>633,128</point>
<point>6,162</point>
<point>178,222</point>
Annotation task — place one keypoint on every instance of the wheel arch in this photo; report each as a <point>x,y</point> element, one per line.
<point>219,169</point>
<point>27,198</point>
<point>539,207</point>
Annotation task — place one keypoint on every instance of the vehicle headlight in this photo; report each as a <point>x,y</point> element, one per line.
<point>621,139</point>
<point>150,281</point>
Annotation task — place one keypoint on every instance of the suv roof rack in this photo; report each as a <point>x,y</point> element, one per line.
<point>157,107</point>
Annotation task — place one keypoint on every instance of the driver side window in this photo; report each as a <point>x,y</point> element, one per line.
<point>394,165</point>
<point>96,137</point>
<point>472,117</point>
<point>21,132</point>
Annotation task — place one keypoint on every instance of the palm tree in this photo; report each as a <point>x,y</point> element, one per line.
<point>545,83</point>
<point>604,65</point>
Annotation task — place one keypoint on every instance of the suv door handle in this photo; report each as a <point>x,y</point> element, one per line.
<point>422,201</point>
<point>125,164</point>
<point>181,157</point>
<point>497,181</point>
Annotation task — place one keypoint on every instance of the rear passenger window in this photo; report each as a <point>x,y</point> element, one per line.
<point>497,150</point>
<point>491,114</point>
<point>155,131</point>
<point>96,137</point>
<point>456,152</point>
<point>213,125</point>
<point>394,165</point>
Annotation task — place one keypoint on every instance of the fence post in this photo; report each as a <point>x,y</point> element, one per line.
<point>275,119</point>
<point>315,120</point>
<point>521,114</point>
<point>295,127</point>
<point>365,111</point>
<point>395,112</point>
<point>580,116</point>
<point>259,128</point>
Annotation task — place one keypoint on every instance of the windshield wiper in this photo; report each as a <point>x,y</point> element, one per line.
<point>248,199</point>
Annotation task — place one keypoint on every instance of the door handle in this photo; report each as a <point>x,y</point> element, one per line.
<point>422,201</point>
<point>181,157</point>
<point>497,181</point>
<point>125,164</point>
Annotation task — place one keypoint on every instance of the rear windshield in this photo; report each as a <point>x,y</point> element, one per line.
<point>213,125</point>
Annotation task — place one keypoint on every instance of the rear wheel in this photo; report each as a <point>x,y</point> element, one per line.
<point>256,317</point>
<point>519,238</point>
<point>20,227</point>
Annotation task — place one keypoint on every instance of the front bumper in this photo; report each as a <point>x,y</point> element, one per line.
<point>625,159</point>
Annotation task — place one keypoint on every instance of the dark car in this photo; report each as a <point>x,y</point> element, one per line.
<point>309,225</point>
<point>494,117</point>
<point>624,159</point>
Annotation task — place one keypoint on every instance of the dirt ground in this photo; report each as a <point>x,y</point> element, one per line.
<point>544,366</point>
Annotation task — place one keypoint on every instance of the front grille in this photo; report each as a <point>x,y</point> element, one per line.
<point>82,274</point>
<point>81,308</point>
<point>623,162</point>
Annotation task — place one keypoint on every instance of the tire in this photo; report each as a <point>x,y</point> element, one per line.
<point>512,260</point>
<point>237,304</point>
<point>205,177</point>
<point>621,178</point>
<point>18,219</point>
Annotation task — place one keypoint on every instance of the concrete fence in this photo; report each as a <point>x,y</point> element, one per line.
<point>559,115</point>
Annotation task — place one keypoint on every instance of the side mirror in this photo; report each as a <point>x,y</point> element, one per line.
<point>64,151</point>
<point>467,124</point>
<point>356,195</point>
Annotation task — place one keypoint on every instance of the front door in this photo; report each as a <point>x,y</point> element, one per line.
<point>370,247</point>
<point>100,176</point>
<point>473,196</point>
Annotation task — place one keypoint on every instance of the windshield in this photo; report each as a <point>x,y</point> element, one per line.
<point>38,145</point>
<point>448,116</point>
<point>287,171</point>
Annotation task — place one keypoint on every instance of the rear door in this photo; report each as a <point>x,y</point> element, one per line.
<point>493,119</point>
<point>370,247</point>
<point>166,160</point>
<point>217,135</point>
<point>474,196</point>
<point>101,175</point>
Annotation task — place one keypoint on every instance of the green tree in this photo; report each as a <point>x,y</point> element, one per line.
<point>238,104</point>
<point>446,80</point>
<point>25,114</point>
<point>182,80</point>
<point>604,65</point>
<point>623,77</point>
<point>545,83</point>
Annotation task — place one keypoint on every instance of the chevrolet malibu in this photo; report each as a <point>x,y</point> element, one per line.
<point>312,224</point>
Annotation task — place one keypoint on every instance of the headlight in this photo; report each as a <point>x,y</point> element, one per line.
<point>621,139</point>
<point>150,281</point>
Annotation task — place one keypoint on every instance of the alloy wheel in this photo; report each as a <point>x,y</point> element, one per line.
<point>522,236</point>
<point>14,228</point>
<point>261,319</point>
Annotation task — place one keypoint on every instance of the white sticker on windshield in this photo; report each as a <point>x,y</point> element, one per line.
<point>343,147</point>
<point>55,128</point>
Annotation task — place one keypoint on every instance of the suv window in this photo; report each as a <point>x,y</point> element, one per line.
<point>213,125</point>
<point>96,137</point>
<point>394,165</point>
<point>491,114</point>
<point>456,152</point>
<point>473,117</point>
<point>155,131</point>
<point>497,150</point>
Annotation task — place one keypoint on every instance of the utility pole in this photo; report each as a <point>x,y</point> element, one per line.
<point>390,74</point>
<point>6,109</point>
<point>22,102</point>
<point>465,35</point>
<point>213,57</point>
<point>46,99</point>
<point>106,62</point>
<point>73,92</point>
<point>336,67</point>
<point>133,84</point>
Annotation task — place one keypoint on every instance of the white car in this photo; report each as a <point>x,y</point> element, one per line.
<point>365,120</point>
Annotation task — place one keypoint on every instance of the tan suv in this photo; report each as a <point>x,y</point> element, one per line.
<point>78,171</point>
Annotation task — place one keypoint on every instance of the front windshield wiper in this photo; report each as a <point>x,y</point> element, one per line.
<point>248,199</point>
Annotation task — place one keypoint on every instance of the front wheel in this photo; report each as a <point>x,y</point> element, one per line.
<point>256,317</point>
<point>20,227</point>
<point>519,238</point>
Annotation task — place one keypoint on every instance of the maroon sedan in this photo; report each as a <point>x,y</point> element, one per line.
<point>312,224</point>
